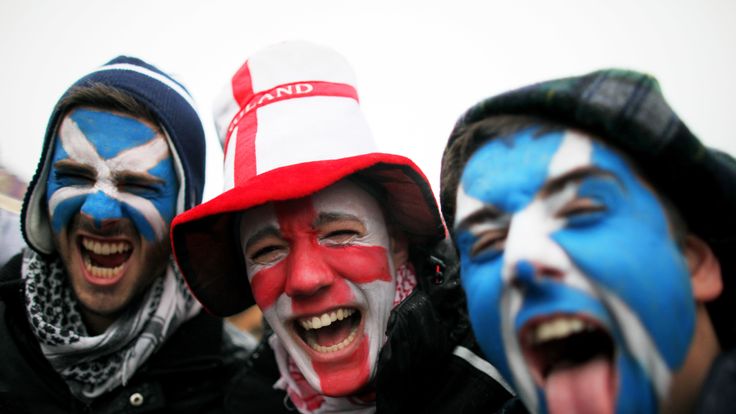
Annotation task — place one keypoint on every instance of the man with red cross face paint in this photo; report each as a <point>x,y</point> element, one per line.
<point>596,236</point>
<point>336,244</point>
<point>94,315</point>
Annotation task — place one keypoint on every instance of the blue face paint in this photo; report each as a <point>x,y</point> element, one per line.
<point>487,175</point>
<point>617,260</point>
<point>111,167</point>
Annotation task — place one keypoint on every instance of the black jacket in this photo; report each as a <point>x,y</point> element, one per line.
<point>187,375</point>
<point>419,370</point>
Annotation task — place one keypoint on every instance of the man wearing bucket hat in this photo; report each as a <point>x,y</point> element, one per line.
<point>95,316</point>
<point>596,236</point>
<point>332,241</point>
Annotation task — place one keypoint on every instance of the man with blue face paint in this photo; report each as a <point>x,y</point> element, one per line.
<point>594,233</point>
<point>95,316</point>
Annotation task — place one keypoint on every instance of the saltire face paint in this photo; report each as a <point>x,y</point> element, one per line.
<point>111,193</point>
<point>577,291</point>
<point>111,167</point>
<point>320,269</point>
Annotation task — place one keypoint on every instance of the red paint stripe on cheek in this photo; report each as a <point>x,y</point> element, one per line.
<point>360,264</point>
<point>347,376</point>
<point>268,284</point>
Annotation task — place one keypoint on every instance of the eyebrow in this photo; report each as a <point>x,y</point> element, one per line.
<point>70,166</point>
<point>484,214</point>
<point>556,184</point>
<point>269,230</point>
<point>134,177</point>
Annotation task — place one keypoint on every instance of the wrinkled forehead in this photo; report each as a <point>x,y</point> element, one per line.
<point>342,199</point>
<point>508,173</point>
<point>109,133</point>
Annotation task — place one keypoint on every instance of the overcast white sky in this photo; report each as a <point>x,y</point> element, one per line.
<point>419,64</point>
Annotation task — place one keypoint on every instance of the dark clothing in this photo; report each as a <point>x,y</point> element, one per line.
<point>454,387</point>
<point>187,375</point>
<point>717,395</point>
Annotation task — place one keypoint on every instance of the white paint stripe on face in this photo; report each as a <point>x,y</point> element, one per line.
<point>377,299</point>
<point>511,301</point>
<point>76,144</point>
<point>65,193</point>
<point>148,210</point>
<point>466,205</point>
<point>575,151</point>
<point>639,343</point>
<point>141,158</point>
<point>533,227</point>
<point>529,239</point>
<point>137,159</point>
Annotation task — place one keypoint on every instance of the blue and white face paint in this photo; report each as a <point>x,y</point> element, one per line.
<point>112,192</point>
<point>577,291</point>
<point>110,167</point>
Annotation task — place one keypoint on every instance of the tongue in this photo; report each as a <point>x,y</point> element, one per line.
<point>584,388</point>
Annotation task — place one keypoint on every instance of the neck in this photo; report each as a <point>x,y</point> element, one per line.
<point>688,380</point>
<point>95,323</point>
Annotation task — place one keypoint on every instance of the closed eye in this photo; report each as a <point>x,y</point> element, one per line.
<point>340,231</point>
<point>341,236</point>
<point>142,184</point>
<point>266,250</point>
<point>70,173</point>
<point>267,254</point>
<point>489,242</point>
<point>138,188</point>
<point>579,207</point>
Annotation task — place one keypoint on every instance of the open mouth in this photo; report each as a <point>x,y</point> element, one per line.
<point>330,331</point>
<point>571,358</point>
<point>104,259</point>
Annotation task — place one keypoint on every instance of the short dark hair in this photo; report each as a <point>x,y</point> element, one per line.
<point>106,97</point>
<point>465,140</point>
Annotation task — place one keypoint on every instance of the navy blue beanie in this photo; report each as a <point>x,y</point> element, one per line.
<point>174,110</point>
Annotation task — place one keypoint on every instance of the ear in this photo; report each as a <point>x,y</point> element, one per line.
<point>705,271</point>
<point>399,248</point>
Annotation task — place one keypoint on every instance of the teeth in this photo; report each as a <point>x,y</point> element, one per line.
<point>103,248</point>
<point>558,328</point>
<point>101,272</point>
<point>332,348</point>
<point>326,319</point>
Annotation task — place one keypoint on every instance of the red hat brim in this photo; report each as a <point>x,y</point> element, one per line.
<point>206,240</point>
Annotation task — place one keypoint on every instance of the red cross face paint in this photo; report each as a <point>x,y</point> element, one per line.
<point>320,268</point>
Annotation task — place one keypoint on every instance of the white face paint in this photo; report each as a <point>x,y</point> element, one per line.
<point>320,268</point>
<point>111,192</point>
<point>559,237</point>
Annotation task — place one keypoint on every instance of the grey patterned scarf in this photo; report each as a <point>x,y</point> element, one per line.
<point>93,365</point>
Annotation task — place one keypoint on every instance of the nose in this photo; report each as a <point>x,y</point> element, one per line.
<point>101,208</point>
<point>307,270</point>
<point>527,273</point>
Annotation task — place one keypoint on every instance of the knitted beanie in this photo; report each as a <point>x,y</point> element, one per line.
<point>174,110</point>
